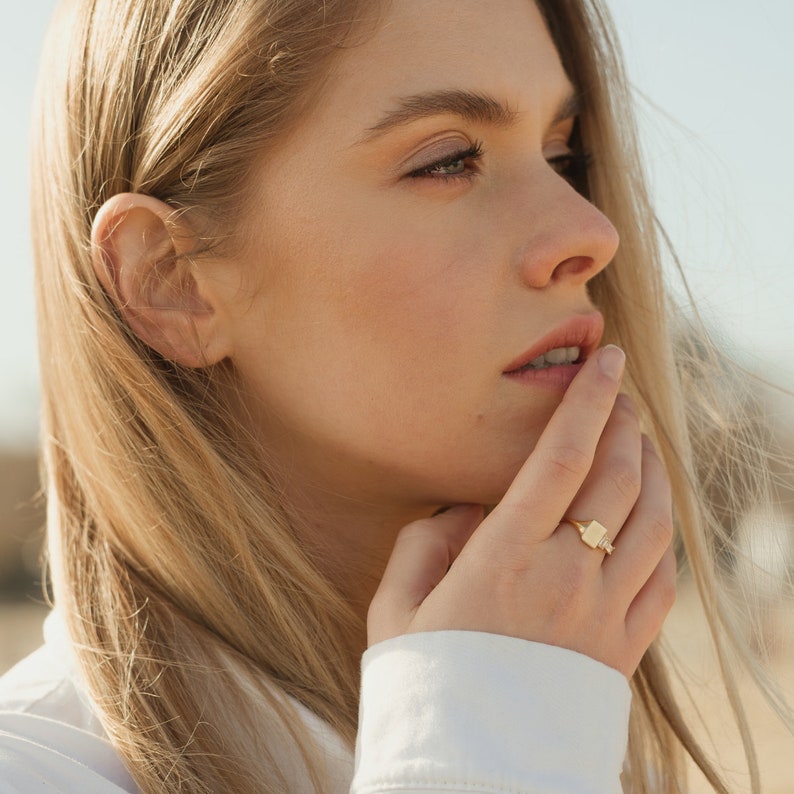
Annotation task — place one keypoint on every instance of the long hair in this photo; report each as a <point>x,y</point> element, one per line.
<point>201,623</point>
<point>674,375</point>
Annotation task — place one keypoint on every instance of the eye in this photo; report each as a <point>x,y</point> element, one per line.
<point>572,167</point>
<point>458,165</point>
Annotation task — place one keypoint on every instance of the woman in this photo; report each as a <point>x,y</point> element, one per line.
<point>328,302</point>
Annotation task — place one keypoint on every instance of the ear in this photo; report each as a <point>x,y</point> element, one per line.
<point>141,255</point>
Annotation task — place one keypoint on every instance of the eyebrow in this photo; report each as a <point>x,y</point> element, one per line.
<point>469,105</point>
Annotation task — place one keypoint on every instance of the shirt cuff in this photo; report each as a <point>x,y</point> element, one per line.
<point>469,711</point>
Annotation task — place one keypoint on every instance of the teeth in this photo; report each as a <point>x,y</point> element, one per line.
<point>560,355</point>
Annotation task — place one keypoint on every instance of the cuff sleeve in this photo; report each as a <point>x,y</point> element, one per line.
<point>467,711</point>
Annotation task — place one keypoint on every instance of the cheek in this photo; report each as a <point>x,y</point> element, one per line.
<point>411,291</point>
<point>378,267</point>
<point>394,295</point>
<point>378,347</point>
<point>367,312</point>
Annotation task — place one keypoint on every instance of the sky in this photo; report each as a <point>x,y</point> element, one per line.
<point>713,81</point>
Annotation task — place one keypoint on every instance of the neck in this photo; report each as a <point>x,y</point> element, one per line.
<point>351,540</point>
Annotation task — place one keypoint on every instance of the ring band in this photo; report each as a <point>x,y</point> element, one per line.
<point>593,534</point>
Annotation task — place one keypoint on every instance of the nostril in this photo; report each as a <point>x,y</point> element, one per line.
<point>574,266</point>
<point>570,242</point>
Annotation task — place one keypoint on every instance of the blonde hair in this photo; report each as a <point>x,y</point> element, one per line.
<point>174,561</point>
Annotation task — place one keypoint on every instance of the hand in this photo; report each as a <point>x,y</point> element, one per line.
<point>524,572</point>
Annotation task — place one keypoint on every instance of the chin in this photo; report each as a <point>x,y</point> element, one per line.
<point>483,485</point>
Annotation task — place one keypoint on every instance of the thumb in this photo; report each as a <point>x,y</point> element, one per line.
<point>420,559</point>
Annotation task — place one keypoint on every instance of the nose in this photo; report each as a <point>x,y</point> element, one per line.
<point>567,239</point>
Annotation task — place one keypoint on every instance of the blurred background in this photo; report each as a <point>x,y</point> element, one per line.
<point>711,80</point>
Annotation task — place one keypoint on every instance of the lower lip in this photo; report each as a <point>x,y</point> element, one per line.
<point>555,378</point>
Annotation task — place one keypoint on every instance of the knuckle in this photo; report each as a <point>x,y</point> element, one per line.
<point>509,568</point>
<point>666,589</point>
<point>626,478</point>
<point>509,558</point>
<point>568,461</point>
<point>654,470</point>
<point>659,530</point>
<point>570,588</point>
<point>668,594</point>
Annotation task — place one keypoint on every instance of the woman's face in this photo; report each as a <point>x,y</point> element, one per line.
<point>415,242</point>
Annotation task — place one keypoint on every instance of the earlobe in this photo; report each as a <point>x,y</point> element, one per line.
<point>141,253</point>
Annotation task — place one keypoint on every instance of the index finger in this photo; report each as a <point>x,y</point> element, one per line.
<point>551,476</point>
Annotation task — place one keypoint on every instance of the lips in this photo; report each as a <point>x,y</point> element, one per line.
<point>583,331</point>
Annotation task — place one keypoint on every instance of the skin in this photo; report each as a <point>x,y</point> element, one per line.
<point>388,283</point>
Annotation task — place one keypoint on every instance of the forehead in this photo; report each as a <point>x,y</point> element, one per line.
<point>500,48</point>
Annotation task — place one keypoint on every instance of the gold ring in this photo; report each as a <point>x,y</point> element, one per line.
<point>593,534</point>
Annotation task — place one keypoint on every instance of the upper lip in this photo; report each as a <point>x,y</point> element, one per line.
<point>583,331</point>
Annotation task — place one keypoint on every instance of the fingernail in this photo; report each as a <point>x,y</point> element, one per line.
<point>611,360</point>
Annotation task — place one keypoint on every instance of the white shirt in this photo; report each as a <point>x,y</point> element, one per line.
<point>447,711</point>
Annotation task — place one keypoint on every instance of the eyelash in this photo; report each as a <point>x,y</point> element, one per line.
<point>466,156</point>
<point>572,167</point>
